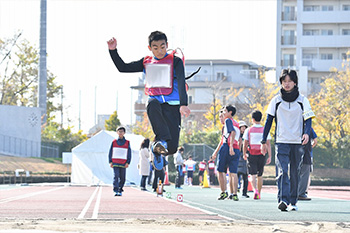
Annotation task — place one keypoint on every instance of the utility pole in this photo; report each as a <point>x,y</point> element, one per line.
<point>42,63</point>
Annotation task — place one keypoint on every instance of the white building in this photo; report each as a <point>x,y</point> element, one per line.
<point>312,37</point>
<point>216,78</point>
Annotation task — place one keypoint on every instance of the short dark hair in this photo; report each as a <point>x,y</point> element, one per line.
<point>145,143</point>
<point>156,36</point>
<point>121,128</point>
<point>231,108</point>
<point>181,149</point>
<point>257,115</point>
<point>291,73</point>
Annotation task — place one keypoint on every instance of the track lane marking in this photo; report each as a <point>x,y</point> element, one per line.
<point>97,204</point>
<point>28,195</point>
<point>88,203</point>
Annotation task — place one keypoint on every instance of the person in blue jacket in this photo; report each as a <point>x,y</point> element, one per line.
<point>119,159</point>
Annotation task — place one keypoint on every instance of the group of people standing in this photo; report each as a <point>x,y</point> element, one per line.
<point>167,90</point>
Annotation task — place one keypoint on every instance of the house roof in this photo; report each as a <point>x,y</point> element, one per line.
<point>216,62</point>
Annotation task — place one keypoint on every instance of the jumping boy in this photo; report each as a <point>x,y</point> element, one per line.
<point>293,114</point>
<point>165,86</point>
<point>228,154</point>
<point>119,160</point>
<point>252,137</point>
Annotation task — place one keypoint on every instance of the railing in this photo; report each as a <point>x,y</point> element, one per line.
<point>289,40</point>
<point>289,16</point>
<point>19,147</point>
<point>49,151</point>
<point>198,151</point>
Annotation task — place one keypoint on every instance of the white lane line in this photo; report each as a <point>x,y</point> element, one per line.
<point>83,212</point>
<point>97,204</point>
<point>28,195</point>
<point>220,210</point>
<point>193,207</point>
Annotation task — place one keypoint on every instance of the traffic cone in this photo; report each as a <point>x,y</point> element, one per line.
<point>166,182</point>
<point>205,180</point>
<point>250,186</point>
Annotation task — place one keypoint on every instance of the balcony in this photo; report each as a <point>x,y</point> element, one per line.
<point>322,65</point>
<point>289,40</point>
<point>289,16</point>
<point>288,63</point>
<point>325,41</point>
<point>325,17</point>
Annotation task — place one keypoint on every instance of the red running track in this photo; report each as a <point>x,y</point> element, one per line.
<point>76,202</point>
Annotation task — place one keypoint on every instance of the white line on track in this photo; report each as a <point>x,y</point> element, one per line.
<point>28,195</point>
<point>193,207</point>
<point>97,204</point>
<point>83,212</point>
<point>220,210</point>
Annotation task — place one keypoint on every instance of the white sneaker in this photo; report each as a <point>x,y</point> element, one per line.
<point>293,207</point>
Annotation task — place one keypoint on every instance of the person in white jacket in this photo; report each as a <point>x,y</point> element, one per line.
<point>178,161</point>
<point>143,165</point>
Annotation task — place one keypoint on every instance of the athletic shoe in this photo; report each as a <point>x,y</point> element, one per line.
<point>283,206</point>
<point>235,197</point>
<point>178,187</point>
<point>304,198</point>
<point>160,147</point>
<point>143,189</point>
<point>223,196</point>
<point>293,207</point>
<point>245,195</point>
<point>230,197</point>
<point>116,194</point>
<point>256,196</point>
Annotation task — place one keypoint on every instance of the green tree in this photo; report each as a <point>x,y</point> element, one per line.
<point>113,122</point>
<point>19,75</point>
<point>332,109</point>
<point>53,133</point>
<point>19,86</point>
<point>144,128</point>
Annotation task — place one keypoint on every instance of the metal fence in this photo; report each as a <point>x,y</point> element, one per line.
<point>49,151</point>
<point>198,151</point>
<point>19,146</point>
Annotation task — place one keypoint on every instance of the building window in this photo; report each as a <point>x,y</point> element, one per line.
<point>289,13</point>
<point>326,56</point>
<point>307,59</point>
<point>346,7</point>
<point>326,32</point>
<point>315,80</point>
<point>289,37</point>
<point>327,8</point>
<point>345,56</point>
<point>311,32</point>
<point>288,60</point>
<point>346,32</point>
<point>221,76</point>
<point>311,8</point>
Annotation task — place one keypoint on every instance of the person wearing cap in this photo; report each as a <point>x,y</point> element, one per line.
<point>119,159</point>
<point>242,163</point>
<point>256,160</point>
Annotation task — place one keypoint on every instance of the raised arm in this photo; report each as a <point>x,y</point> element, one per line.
<point>136,66</point>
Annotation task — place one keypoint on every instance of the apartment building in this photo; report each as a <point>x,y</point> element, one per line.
<point>312,37</point>
<point>214,81</point>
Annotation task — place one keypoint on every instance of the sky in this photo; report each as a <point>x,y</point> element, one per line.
<point>78,30</point>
